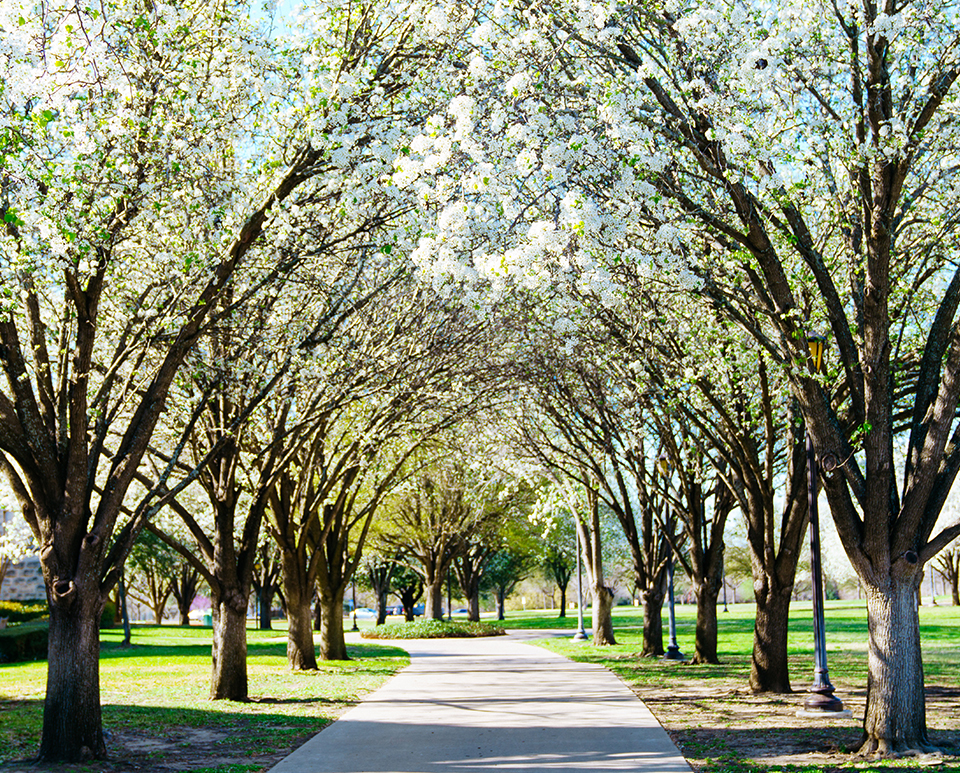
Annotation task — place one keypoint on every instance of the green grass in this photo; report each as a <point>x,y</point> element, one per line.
<point>846,634</point>
<point>160,687</point>
<point>710,739</point>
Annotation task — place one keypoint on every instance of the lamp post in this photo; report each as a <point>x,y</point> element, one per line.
<point>580,635</point>
<point>821,699</point>
<point>723,582</point>
<point>673,649</point>
<point>353,590</point>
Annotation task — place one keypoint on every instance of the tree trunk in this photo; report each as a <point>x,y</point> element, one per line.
<point>501,598</point>
<point>473,607</point>
<point>653,623</point>
<point>298,592</point>
<point>72,726</point>
<point>602,622</point>
<point>433,599</point>
<point>301,653</point>
<point>955,593</point>
<point>265,602</point>
<point>184,588</point>
<point>563,601</point>
<point>332,644</point>
<point>769,669</point>
<point>705,646</point>
<point>382,606</point>
<point>895,720</point>
<point>229,671</point>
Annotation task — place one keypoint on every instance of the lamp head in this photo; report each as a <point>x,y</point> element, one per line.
<point>817,344</point>
<point>663,464</point>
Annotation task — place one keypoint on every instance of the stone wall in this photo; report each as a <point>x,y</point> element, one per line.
<point>24,580</point>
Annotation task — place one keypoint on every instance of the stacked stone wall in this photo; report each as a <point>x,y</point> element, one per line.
<point>23,580</point>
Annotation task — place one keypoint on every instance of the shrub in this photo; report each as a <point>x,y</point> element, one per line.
<point>24,642</point>
<point>432,629</point>
<point>23,611</point>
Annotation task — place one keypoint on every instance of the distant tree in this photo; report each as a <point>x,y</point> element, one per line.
<point>948,564</point>
<point>148,573</point>
<point>408,588</point>
<point>184,585</point>
<point>379,575</point>
<point>505,571</point>
<point>265,582</point>
<point>558,565</point>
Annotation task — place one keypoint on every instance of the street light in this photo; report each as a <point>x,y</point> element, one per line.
<point>580,635</point>
<point>673,649</point>
<point>353,587</point>
<point>821,699</point>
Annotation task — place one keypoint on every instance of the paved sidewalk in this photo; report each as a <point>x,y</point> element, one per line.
<point>491,704</point>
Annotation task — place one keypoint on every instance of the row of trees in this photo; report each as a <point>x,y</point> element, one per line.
<point>249,283</point>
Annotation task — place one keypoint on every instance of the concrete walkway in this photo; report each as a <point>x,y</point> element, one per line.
<point>492,704</point>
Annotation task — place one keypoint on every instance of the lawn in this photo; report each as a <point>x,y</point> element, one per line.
<point>155,704</point>
<point>158,716</point>
<point>722,728</point>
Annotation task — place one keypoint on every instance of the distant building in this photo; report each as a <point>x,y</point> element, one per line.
<point>23,580</point>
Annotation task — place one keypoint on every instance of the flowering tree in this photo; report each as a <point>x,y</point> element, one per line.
<point>111,119</point>
<point>150,157</point>
<point>793,165</point>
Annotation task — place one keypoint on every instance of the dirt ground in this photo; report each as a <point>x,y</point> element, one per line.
<point>717,725</point>
<point>716,730</point>
<point>187,749</point>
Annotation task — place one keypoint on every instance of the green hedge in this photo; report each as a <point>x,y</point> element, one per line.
<point>24,642</point>
<point>23,611</point>
<point>432,629</point>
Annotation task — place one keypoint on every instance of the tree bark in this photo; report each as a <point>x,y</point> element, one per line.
<point>332,644</point>
<point>769,667</point>
<point>301,655</point>
<point>473,607</point>
<point>433,598</point>
<point>895,718</point>
<point>72,727</point>
<point>228,676</point>
<point>265,605</point>
<point>653,622</point>
<point>563,600</point>
<point>381,606</point>
<point>602,620</point>
<point>705,643</point>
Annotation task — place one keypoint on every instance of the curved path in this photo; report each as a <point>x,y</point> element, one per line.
<point>493,704</point>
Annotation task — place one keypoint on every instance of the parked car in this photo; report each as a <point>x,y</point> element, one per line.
<point>365,613</point>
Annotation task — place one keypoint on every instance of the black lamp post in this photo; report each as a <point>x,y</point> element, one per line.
<point>353,589</point>
<point>673,649</point>
<point>821,698</point>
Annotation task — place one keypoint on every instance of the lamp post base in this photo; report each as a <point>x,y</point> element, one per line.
<point>673,653</point>
<point>819,703</point>
<point>580,635</point>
